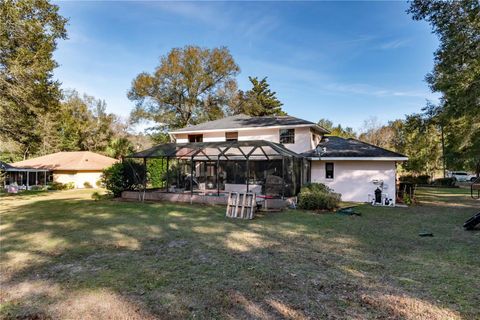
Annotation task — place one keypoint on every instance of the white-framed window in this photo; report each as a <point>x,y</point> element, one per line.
<point>287,136</point>
<point>329,170</point>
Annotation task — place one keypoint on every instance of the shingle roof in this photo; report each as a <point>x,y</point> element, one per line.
<point>244,121</point>
<point>74,160</point>
<point>349,148</point>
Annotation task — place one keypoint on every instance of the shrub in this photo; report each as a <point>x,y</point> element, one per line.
<point>69,185</point>
<point>121,176</point>
<point>406,199</point>
<point>37,188</point>
<point>317,196</point>
<point>87,185</point>
<point>98,196</point>
<point>61,186</point>
<point>445,182</point>
<point>156,169</point>
<point>99,184</point>
<point>421,179</point>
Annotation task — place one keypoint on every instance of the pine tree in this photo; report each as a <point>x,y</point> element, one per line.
<point>260,100</point>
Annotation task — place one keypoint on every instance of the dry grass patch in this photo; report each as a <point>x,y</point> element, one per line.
<point>64,255</point>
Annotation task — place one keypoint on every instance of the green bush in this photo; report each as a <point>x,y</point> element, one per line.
<point>98,196</point>
<point>87,185</point>
<point>445,182</point>
<point>407,200</point>
<point>317,196</point>
<point>37,188</point>
<point>421,179</point>
<point>61,186</point>
<point>156,169</point>
<point>99,184</point>
<point>126,175</point>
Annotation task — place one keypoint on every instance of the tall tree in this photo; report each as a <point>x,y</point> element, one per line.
<point>29,31</point>
<point>422,145</point>
<point>259,101</point>
<point>337,130</point>
<point>187,87</point>
<point>84,124</point>
<point>456,75</point>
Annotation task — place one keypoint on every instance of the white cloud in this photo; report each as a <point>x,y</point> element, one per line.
<point>394,44</point>
<point>365,89</point>
<point>202,12</point>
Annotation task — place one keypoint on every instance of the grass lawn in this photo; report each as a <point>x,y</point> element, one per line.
<point>64,255</point>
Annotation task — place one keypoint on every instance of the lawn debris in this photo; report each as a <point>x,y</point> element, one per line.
<point>425,234</point>
<point>348,211</point>
<point>472,222</point>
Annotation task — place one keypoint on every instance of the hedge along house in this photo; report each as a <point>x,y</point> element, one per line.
<point>82,168</point>
<point>272,156</point>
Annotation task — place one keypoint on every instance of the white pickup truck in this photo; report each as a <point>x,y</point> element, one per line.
<point>462,176</point>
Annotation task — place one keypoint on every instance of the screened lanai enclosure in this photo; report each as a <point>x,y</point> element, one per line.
<point>23,178</point>
<point>216,168</point>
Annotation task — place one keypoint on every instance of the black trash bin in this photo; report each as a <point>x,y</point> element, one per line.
<point>378,195</point>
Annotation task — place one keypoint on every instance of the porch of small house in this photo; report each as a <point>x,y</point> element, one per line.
<point>24,178</point>
<point>208,172</point>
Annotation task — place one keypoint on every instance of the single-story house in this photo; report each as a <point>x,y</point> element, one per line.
<point>83,168</point>
<point>272,156</point>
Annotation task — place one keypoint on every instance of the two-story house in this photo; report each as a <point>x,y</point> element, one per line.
<point>274,156</point>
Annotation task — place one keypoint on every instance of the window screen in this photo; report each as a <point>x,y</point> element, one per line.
<point>231,136</point>
<point>195,138</point>
<point>329,170</point>
<point>287,135</point>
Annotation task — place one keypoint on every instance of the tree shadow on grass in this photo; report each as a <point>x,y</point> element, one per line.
<point>182,261</point>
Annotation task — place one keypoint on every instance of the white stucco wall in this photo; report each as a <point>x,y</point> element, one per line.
<point>77,177</point>
<point>303,137</point>
<point>353,179</point>
<point>207,137</point>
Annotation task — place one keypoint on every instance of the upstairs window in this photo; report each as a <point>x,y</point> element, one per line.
<point>329,170</point>
<point>287,136</point>
<point>231,136</point>
<point>195,138</point>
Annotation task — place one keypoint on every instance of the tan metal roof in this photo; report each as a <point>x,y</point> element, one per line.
<point>73,160</point>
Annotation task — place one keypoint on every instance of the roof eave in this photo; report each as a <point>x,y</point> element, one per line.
<point>360,158</point>
<point>306,125</point>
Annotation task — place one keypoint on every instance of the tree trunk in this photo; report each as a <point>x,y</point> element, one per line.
<point>25,153</point>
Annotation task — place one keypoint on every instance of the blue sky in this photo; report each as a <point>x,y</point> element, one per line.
<point>345,61</point>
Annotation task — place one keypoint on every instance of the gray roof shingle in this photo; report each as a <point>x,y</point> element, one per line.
<point>244,121</point>
<point>349,148</point>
